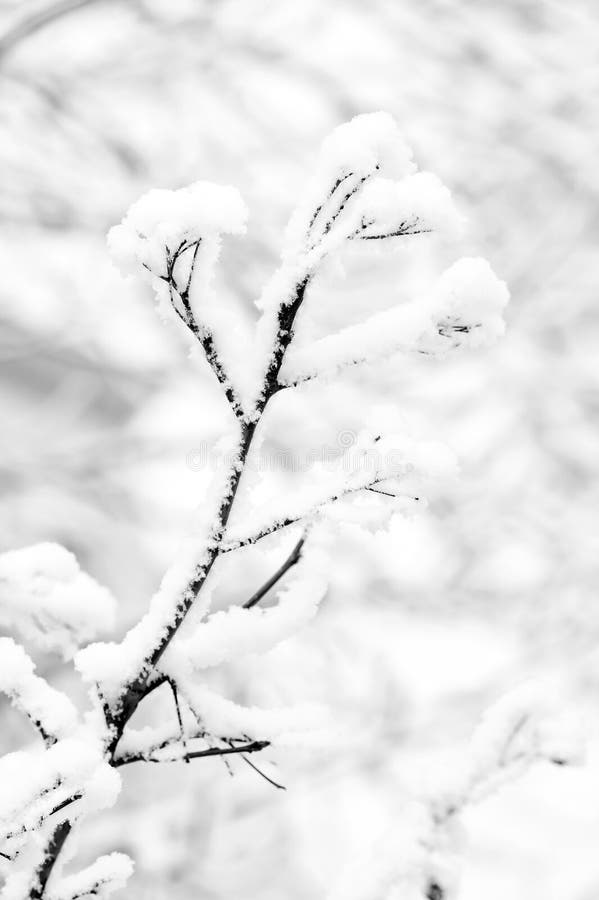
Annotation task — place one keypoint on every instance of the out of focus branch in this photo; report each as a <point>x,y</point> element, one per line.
<point>36,21</point>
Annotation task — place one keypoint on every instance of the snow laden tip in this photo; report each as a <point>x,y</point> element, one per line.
<point>367,143</point>
<point>165,219</point>
<point>467,303</point>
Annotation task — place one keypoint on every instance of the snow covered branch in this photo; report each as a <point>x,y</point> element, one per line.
<point>365,188</point>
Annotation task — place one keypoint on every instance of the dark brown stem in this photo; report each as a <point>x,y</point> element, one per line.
<point>293,558</point>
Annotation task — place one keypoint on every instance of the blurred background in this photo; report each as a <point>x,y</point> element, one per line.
<point>102,403</point>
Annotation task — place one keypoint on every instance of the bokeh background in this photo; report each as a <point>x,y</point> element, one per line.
<point>102,403</point>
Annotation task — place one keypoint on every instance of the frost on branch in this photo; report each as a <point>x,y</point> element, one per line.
<point>237,632</point>
<point>105,876</point>
<point>467,304</point>
<point>46,598</point>
<point>368,146</point>
<point>417,204</point>
<point>373,464</point>
<point>173,238</point>
<point>164,220</point>
<point>366,189</point>
<point>50,710</point>
<point>463,309</point>
<point>39,787</point>
<point>365,193</point>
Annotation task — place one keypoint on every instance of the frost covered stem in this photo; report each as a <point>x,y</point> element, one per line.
<point>201,332</point>
<point>286,319</point>
<point>251,747</point>
<point>138,689</point>
<point>51,853</point>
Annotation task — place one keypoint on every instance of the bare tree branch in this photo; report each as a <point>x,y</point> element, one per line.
<point>293,558</point>
<point>36,21</point>
<point>252,747</point>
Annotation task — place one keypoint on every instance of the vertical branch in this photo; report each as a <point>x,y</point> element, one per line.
<point>137,689</point>
<point>173,687</point>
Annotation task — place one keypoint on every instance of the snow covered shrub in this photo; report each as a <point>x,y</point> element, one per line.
<point>365,193</point>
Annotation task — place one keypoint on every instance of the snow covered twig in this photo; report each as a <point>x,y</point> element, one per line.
<point>365,189</point>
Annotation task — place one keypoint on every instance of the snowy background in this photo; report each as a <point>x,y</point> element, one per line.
<point>108,420</point>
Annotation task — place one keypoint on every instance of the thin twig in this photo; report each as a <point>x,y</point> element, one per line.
<point>173,687</point>
<point>293,558</point>
<point>252,747</point>
<point>228,547</point>
<point>280,787</point>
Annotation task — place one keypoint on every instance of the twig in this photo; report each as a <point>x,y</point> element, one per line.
<point>36,21</point>
<point>173,687</point>
<point>200,331</point>
<point>252,747</point>
<point>228,547</point>
<point>293,558</point>
<point>280,787</point>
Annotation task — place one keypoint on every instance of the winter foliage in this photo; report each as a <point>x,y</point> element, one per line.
<point>365,196</point>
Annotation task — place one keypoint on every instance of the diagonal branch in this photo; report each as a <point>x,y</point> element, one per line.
<point>293,558</point>
<point>199,330</point>
<point>229,546</point>
<point>36,21</point>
